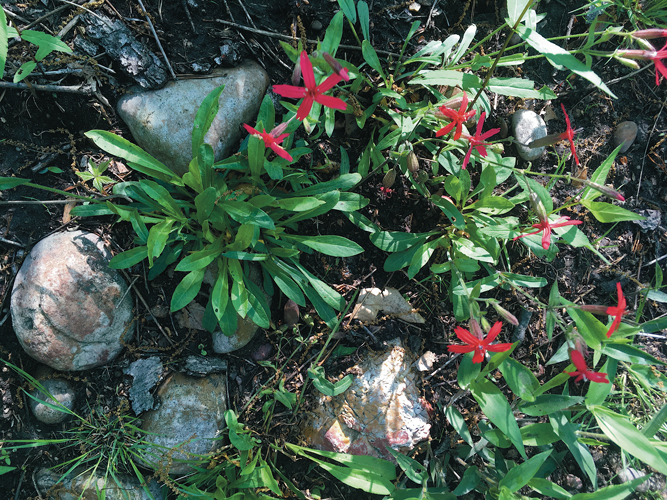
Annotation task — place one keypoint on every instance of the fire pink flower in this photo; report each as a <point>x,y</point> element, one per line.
<point>568,135</point>
<point>477,141</point>
<point>458,118</point>
<point>582,372</point>
<point>336,66</point>
<point>617,311</point>
<point>478,345</point>
<point>649,55</point>
<point>545,226</point>
<point>271,139</point>
<point>311,92</point>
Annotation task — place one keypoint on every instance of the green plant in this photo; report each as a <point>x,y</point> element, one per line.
<point>95,173</point>
<point>46,45</point>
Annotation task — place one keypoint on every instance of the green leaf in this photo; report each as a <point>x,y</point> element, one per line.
<point>336,246</point>
<point>46,43</point>
<point>157,239</point>
<point>371,57</point>
<point>514,10</point>
<point>520,379</point>
<point>468,371</point>
<point>201,258</point>
<point>413,470</point>
<point>606,212</point>
<point>457,421</point>
<point>244,213</point>
<point>343,183</point>
<point>593,331</point>
<point>12,182</point>
<point>656,422</point>
<point>630,354</point>
<point>627,437</point>
<point>333,35</point>
<point>548,489</point>
<point>600,176</point>
<point>567,432</point>
<point>143,162</point>
<point>162,196</point>
<point>24,71</point>
<point>450,211</point>
<point>517,477</point>
<point>256,154</point>
<point>467,39</point>
<point>4,46</point>
<point>220,292</point>
<point>494,205</point>
<point>597,393</point>
<point>327,388</point>
<point>129,258</point>
<point>364,19</point>
<point>449,77</point>
<point>468,482</point>
<point>519,87</point>
<point>347,6</point>
<point>239,298</point>
<point>205,201</point>
<point>187,289</point>
<point>538,434</point>
<point>616,492</point>
<point>549,403</point>
<point>396,241</point>
<point>299,204</point>
<point>560,57</point>
<point>205,116</point>
<point>497,409</point>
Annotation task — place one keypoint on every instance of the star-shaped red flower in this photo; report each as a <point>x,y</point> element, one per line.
<point>311,92</point>
<point>477,141</point>
<point>478,345</point>
<point>271,140</point>
<point>650,55</point>
<point>546,226</point>
<point>568,135</point>
<point>617,311</point>
<point>582,372</point>
<point>458,118</point>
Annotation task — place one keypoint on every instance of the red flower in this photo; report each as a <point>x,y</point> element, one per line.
<point>650,55</point>
<point>271,139</point>
<point>617,311</point>
<point>385,192</point>
<point>583,373</point>
<point>336,66</point>
<point>477,141</point>
<point>546,227</point>
<point>458,118</point>
<point>568,135</point>
<point>478,345</point>
<point>311,92</point>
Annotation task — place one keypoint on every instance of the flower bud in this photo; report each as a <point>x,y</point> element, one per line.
<point>650,33</point>
<point>486,326</point>
<point>413,162</point>
<point>505,314</point>
<point>578,342</point>
<point>475,329</point>
<point>627,62</point>
<point>607,191</point>
<point>296,74</point>
<point>336,66</point>
<point>593,309</point>
<point>422,177</point>
<point>538,207</point>
<point>389,178</point>
<point>545,141</point>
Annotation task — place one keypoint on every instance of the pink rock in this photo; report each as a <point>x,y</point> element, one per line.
<point>70,311</point>
<point>381,409</point>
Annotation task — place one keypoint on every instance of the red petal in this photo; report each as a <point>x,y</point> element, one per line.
<point>578,360</point>
<point>467,158</point>
<point>479,356</point>
<point>499,347</point>
<point>600,378</point>
<point>461,349</point>
<point>480,123</point>
<point>567,118</point>
<point>489,133</point>
<point>546,238</point>
<point>465,336</point>
<point>328,84</point>
<point>331,102</point>
<point>250,129</point>
<point>445,130</point>
<point>307,72</point>
<point>280,152</point>
<point>495,330</point>
<point>290,91</point>
<point>305,108</point>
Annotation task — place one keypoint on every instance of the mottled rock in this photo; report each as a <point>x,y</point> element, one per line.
<point>625,133</point>
<point>528,126</point>
<point>69,309</point>
<point>381,409</point>
<point>199,366</point>
<point>161,121</point>
<point>573,482</point>
<point>625,475</point>
<point>81,484</point>
<point>146,374</point>
<point>373,300</point>
<point>62,391</point>
<point>192,412</point>
<point>652,220</point>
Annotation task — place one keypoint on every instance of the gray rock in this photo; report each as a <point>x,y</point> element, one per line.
<point>629,474</point>
<point>161,121</point>
<point>146,374</point>
<point>80,484</point>
<point>246,329</point>
<point>62,391</point>
<point>381,409</point>
<point>69,309</point>
<point>198,366</point>
<point>528,126</point>
<point>652,221</point>
<point>625,133</point>
<point>192,412</point>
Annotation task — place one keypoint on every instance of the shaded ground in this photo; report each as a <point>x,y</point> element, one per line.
<point>42,129</point>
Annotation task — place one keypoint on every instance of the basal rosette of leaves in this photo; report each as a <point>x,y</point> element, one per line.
<point>224,216</point>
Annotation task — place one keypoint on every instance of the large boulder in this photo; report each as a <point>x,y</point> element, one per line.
<point>69,309</point>
<point>161,121</point>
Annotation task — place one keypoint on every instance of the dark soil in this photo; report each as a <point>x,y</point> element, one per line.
<point>45,129</point>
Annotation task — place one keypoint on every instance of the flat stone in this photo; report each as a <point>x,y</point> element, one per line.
<point>373,300</point>
<point>625,133</point>
<point>161,121</point>
<point>146,373</point>
<point>80,484</point>
<point>381,409</point>
<point>63,391</point>
<point>192,412</point>
<point>626,475</point>
<point>652,221</point>
<point>528,126</point>
<point>70,311</point>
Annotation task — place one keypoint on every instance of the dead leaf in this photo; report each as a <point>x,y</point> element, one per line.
<point>425,363</point>
<point>373,300</point>
<point>68,208</point>
<point>549,114</point>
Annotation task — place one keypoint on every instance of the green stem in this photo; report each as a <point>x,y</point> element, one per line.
<point>63,193</point>
<point>354,32</point>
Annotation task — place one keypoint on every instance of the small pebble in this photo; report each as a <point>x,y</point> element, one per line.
<point>573,482</point>
<point>528,126</point>
<point>629,474</point>
<point>262,352</point>
<point>316,26</point>
<point>625,133</point>
<point>291,313</point>
<point>60,389</point>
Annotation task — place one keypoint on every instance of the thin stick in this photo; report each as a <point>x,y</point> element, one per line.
<point>10,242</point>
<point>187,12</point>
<point>289,38</point>
<point>85,90</point>
<point>15,16</point>
<point>648,141</point>
<point>54,202</point>
<point>150,23</point>
<point>247,15</point>
<point>82,7</point>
